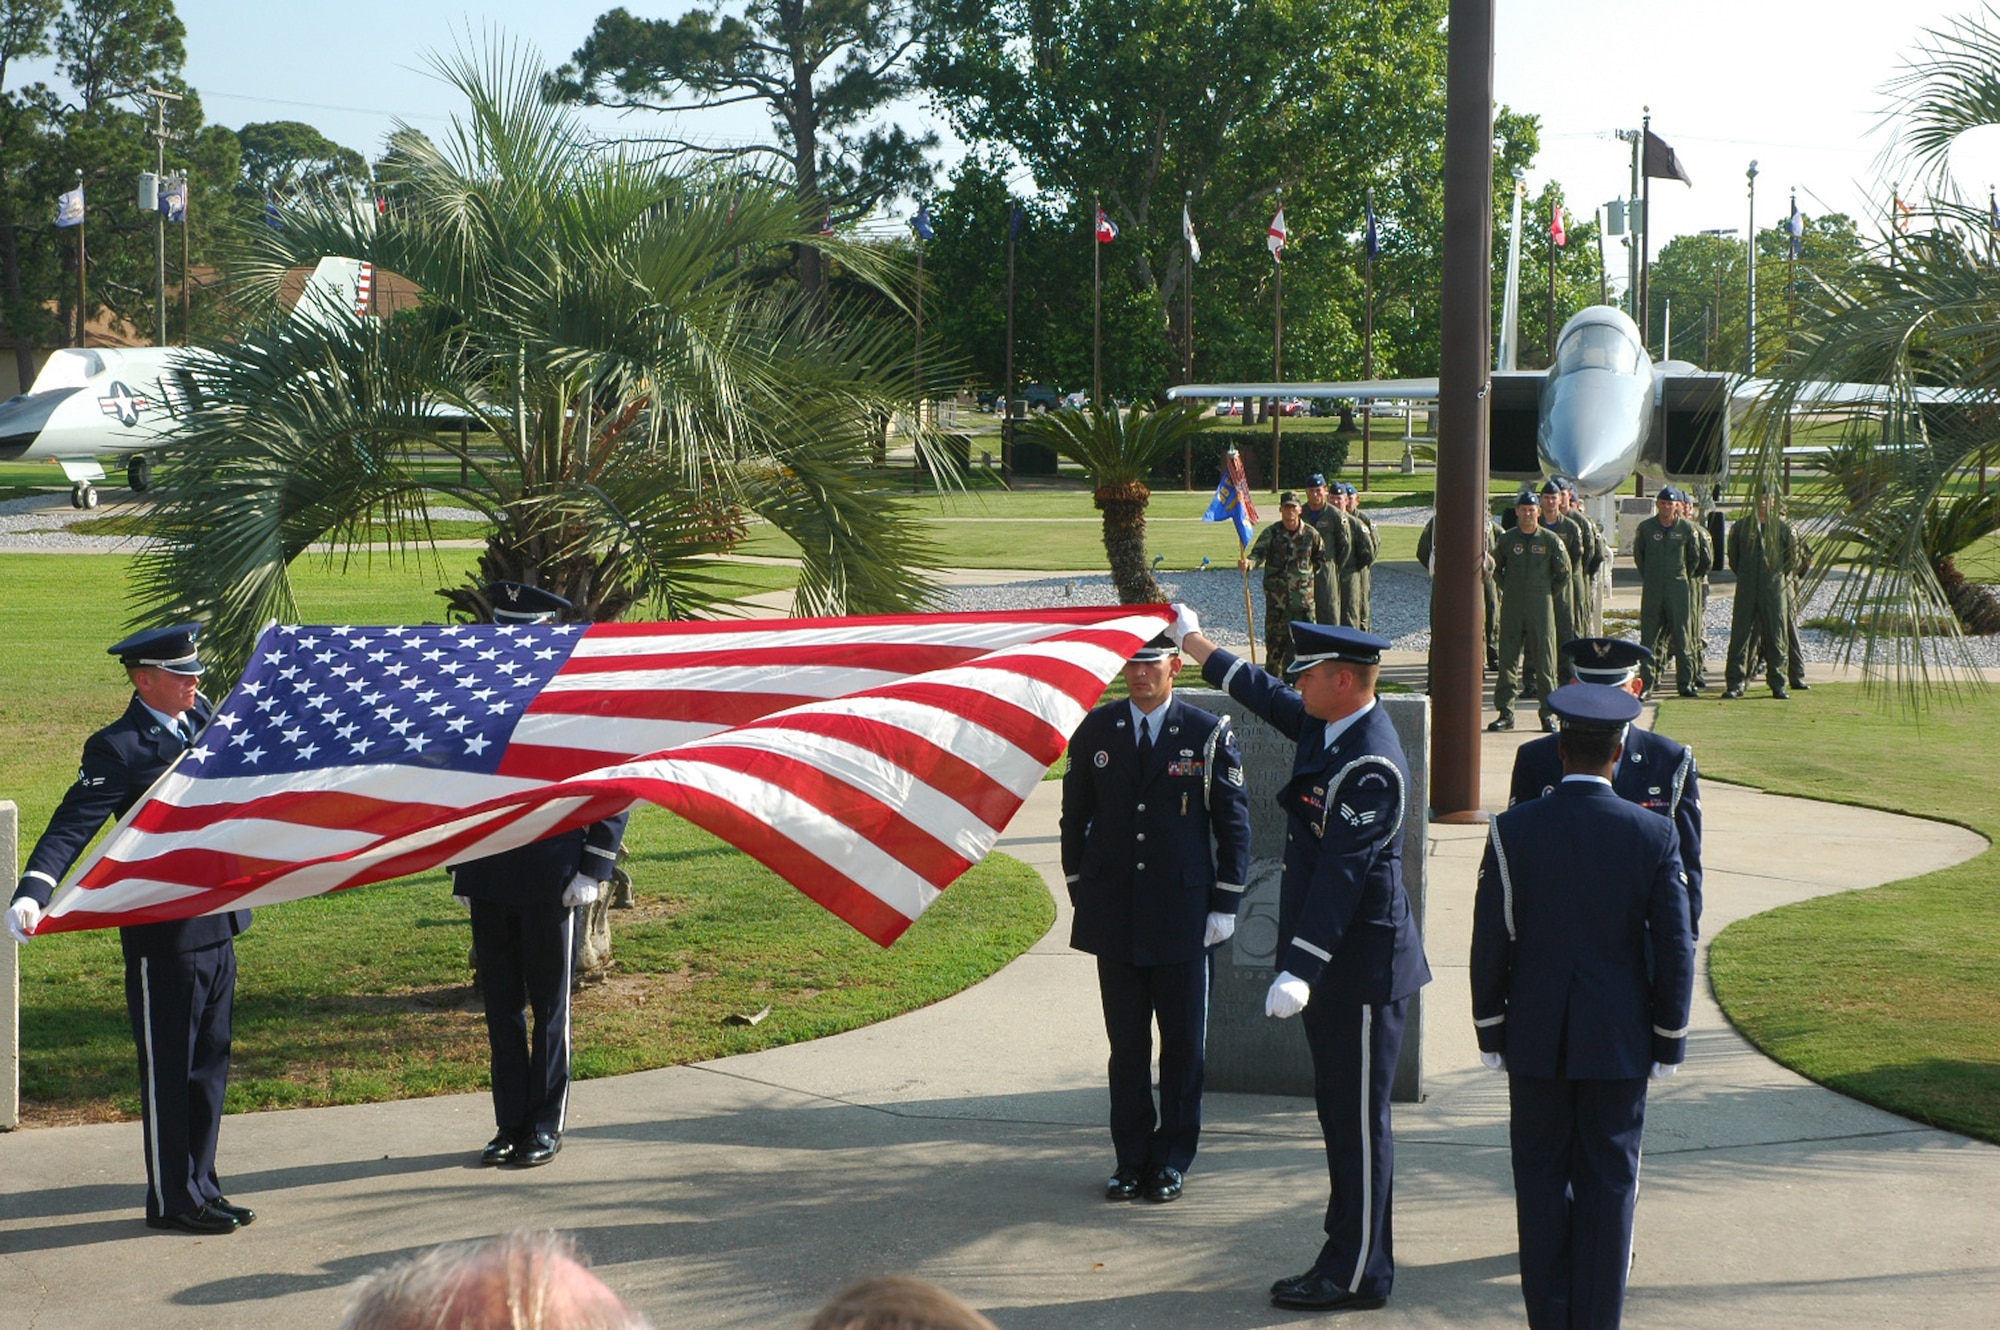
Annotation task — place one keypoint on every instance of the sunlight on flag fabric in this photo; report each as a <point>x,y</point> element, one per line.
<point>868,761</point>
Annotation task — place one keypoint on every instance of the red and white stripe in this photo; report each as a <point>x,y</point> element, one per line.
<point>868,761</point>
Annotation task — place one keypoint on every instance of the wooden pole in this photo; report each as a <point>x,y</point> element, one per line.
<point>1277,354</point>
<point>1096,302</point>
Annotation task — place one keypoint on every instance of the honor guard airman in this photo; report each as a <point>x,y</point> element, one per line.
<point>180,976</point>
<point>1667,550</point>
<point>1582,977</point>
<point>1532,568</point>
<point>1156,852</point>
<point>1324,515</point>
<point>1653,771</point>
<point>1349,953</point>
<point>1292,555</point>
<point>525,904</point>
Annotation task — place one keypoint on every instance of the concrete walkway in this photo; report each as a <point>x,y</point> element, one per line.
<point>965,1142</point>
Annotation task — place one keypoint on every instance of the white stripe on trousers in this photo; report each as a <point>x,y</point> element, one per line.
<point>152,1104</point>
<point>1367,1152</point>
<point>562,1013</point>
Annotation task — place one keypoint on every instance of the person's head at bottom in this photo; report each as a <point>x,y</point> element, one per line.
<point>516,1281</point>
<point>897,1302</point>
<point>1594,717</point>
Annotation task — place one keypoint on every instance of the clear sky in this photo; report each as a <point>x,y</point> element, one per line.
<point>1795,86</point>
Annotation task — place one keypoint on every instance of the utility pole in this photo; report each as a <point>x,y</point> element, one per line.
<point>1750,319</point>
<point>160,134</point>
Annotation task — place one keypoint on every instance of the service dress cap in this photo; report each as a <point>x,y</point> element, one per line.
<point>1160,648</point>
<point>517,602</point>
<point>1550,487</point>
<point>1525,499</point>
<point>1313,643</point>
<point>1594,706</point>
<point>170,648</point>
<point>1606,660</point>
<point>1315,479</point>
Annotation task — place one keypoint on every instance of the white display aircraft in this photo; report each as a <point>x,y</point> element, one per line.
<point>92,402</point>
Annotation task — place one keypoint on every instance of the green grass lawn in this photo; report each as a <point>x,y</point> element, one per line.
<point>1891,995</point>
<point>364,995</point>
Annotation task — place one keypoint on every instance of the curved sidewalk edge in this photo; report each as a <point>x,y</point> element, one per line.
<point>965,1143</point>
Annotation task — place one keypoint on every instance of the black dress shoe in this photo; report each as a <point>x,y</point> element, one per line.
<point>1125,1185</point>
<point>242,1214</point>
<point>1319,1293</point>
<point>536,1149</point>
<point>208,1221</point>
<point>1164,1185</point>
<point>1290,1282</point>
<point>500,1150</point>
<point>1504,721</point>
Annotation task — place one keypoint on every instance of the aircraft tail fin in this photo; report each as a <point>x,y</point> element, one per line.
<point>338,290</point>
<point>1510,306</point>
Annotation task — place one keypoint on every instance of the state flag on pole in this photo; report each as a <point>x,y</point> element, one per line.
<point>1661,162</point>
<point>1795,227</point>
<point>1903,213</point>
<point>1276,235</point>
<point>1557,232</point>
<point>1231,502</point>
<point>69,207</point>
<point>1187,233</point>
<point>1107,230</point>
<point>921,223</point>
<point>1371,239</point>
<point>867,761</point>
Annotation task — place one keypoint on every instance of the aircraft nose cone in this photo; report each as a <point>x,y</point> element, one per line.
<point>22,420</point>
<point>1591,433</point>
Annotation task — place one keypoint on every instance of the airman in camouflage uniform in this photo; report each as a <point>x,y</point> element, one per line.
<point>1532,568</point>
<point>1356,582</point>
<point>1334,529</point>
<point>1760,553</point>
<point>1555,520</point>
<point>1667,550</point>
<point>1292,554</point>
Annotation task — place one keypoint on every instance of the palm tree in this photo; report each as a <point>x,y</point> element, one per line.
<point>1119,451</point>
<point>1919,317</point>
<point>593,367</point>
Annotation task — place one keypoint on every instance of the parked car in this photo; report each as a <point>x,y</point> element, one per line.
<point>1077,400</point>
<point>1040,397</point>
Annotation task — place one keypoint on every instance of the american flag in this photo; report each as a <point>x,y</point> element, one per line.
<point>868,761</point>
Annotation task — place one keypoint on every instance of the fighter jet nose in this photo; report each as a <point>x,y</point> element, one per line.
<point>23,418</point>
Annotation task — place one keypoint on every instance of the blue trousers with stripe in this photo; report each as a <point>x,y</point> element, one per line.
<point>1354,1050</point>
<point>1576,1187</point>
<point>1134,996</point>
<point>526,954</point>
<point>181,1006</point>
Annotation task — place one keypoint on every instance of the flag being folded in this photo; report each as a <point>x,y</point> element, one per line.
<point>868,761</point>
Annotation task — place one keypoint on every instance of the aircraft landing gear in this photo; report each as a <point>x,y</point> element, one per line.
<point>83,494</point>
<point>139,475</point>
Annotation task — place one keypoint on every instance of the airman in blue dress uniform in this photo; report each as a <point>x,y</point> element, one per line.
<point>524,905</point>
<point>1653,771</point>
<point>180,976</point>
<point>1151,782</point>
<point>1582,975</point>
<point>1350,954</point>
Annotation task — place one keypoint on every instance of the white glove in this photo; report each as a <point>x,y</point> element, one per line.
<point>580,891</point>
<point>464,902</point>
<point>1184,623</point>
<point>22,916</point>
<point>1221,927</point>
<point>1288,996</point>
<point>1494,1061</point>
<point>1662,1070</point>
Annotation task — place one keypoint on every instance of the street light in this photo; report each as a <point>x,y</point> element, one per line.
<point>1750,324</point>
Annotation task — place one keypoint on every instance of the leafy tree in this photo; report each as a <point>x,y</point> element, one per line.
<point>592,310</point>
<point>1120,449</point>
<point>1146,102</point>
<point>110,49</point>
<point>25,113</point>
<point>283,157</point>
<point>1704,277</point>
<point>823,69</point>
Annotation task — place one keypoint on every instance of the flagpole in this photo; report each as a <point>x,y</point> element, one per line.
<point>187,298</point>
<point>1187,329</point>
<point>1750,319</point>
<point>1645,236</point>
<point>1007,401</point>
<point>1367,337</point>
<point>82,309</point>
<point>1249,615</point>
<point>1555,214</point>
<point>1096,303</point>
<point>1278,350</point>
<point>1603,281</point>
<point>917,370</point>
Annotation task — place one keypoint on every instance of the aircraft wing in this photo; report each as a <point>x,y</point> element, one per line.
<point>1819,394</point>
<point>1370,389</point>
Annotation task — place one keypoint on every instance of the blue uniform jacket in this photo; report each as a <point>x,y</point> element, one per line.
<point>536,873</point>
<point>120,763</point>
<point>1653,772</point>
<point>1135,844</point>
<point>1582,966</point>
<point>1344,921</point>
